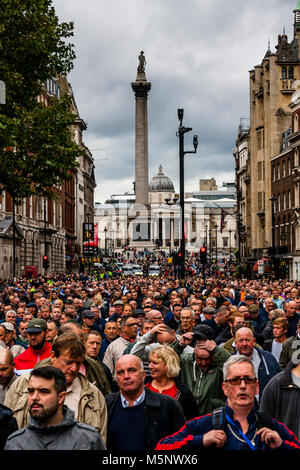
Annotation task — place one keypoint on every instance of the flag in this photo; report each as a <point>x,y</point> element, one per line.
<point>223,215</point>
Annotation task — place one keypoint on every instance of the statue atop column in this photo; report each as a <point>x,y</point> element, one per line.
<point>142,62</point>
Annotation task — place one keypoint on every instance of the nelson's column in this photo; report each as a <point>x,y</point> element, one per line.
<point>140,211</point>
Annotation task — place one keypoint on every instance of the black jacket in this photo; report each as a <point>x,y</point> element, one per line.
<point>163,416</point>
<point>185,398</point>
<point>281,400</point>
<point>8,424</point>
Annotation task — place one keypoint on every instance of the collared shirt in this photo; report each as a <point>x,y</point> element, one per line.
<point>138,401</point>
<point>73,396</point>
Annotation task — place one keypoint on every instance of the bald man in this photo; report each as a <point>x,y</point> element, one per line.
<point>264,362</point>
<point>137,417</point>
<point>7,374</point>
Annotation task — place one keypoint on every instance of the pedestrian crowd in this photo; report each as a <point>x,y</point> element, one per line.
<point>149,363</point>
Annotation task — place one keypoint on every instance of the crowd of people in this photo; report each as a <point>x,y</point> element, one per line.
<point>149,363</point>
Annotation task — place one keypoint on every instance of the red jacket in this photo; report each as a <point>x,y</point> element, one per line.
<point>26,361</point>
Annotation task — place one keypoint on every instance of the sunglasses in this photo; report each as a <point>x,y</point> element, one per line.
<point>238,380</point>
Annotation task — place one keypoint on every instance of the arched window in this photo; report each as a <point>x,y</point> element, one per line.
<point>291,72</point>
<point>284,72</point>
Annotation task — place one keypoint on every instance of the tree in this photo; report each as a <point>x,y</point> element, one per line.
<point>36,149</point>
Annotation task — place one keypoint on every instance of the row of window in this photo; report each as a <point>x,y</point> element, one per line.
<point>287,72</point>
<point>281,170</point>
<point>283,201</point>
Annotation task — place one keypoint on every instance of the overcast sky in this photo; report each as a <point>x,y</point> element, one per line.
<point>198,57</point>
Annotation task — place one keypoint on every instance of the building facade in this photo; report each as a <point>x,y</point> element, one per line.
<point>48,226</point>
<point>265,182</point>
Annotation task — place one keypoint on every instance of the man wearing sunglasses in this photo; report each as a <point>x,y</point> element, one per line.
<point>240,426</point>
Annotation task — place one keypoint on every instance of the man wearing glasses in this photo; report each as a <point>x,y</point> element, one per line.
<point>128,334</point>
<point>241,426</point>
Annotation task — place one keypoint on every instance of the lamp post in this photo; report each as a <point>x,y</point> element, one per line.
<point>105,247</point>
<point>180,133</point>
<point>230,244</point>
<point>171,202</point>
<point>273,199</point>
<point>216,229</point>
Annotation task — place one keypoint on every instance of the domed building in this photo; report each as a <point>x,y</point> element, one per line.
<point>160,188</point>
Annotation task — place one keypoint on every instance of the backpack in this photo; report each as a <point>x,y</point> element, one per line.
<point>219,420</point>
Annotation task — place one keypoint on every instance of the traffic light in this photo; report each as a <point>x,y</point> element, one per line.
<point>203,255</point>
<point>45,262</point>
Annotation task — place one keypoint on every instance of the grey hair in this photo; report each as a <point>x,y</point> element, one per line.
<point>236,359</point>
<point>213,299</point>
<point>189,309</point>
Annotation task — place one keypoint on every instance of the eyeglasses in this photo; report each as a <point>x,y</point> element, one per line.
<point>238,380</point>
<point>132,324</point>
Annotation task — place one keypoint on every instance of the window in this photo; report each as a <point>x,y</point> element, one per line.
<point>284,72</point>
<point>289,200</point>
<point>283,169</point>
<point>273,172</point>
<point>225,242</point>
<point>278,171</point>
<point>289,166</point>
<point>291,72</point>
<point>296,123</point>
<point>260,139</point>
<point>284,201</point>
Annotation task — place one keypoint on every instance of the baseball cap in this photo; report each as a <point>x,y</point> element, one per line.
<point>36,325</point>
<point>203,332</point>
<point>138,312</point>
<point>253,308</point>
<point>88,314</point>
<point>250,297</point>
<point>8,326</point>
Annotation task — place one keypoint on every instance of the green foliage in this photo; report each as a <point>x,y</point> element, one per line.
<point>36,151</point>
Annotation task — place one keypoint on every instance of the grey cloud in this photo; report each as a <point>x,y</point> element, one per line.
<point>198,57</point>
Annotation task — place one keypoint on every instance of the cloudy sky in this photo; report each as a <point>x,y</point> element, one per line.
<point>198,57</point>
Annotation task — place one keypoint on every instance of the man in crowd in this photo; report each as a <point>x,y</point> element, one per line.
<point>264,362</point>
<point>7,374</point>
<point>39,348</point>
<point>7,335</point>
<point>187,320</point>
<point>274,346</point>
<point>292,316</point>
<point>219,322</point>
<point>83,398</point>
<point>281,397</point>
<point>289,348</point>
<point>138,417</point>
<point>239,427</point>
<point>52,425</point>
<point>52,330</point>
<point>201,370</point>
<point>110,334</point>
<point>128,334</point>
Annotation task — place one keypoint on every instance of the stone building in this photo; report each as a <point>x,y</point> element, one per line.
<point>272,84</point>
<point>48,226</point>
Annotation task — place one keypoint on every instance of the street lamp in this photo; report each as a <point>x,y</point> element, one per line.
<point>171,202</point>
<point>180,133</point>
<point>273,199</point>
<point>105,247</point>
<point>230,244</point>
<point>216,229</point>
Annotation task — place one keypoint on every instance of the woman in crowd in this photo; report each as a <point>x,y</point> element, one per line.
<point>164,366</point>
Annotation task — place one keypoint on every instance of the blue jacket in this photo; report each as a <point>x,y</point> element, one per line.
<point>190,437</point>
<point>267,369</point>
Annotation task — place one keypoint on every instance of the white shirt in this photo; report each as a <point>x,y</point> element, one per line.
<point>138,401</point>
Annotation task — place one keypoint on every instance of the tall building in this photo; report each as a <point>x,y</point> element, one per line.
<point>272,84</point>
